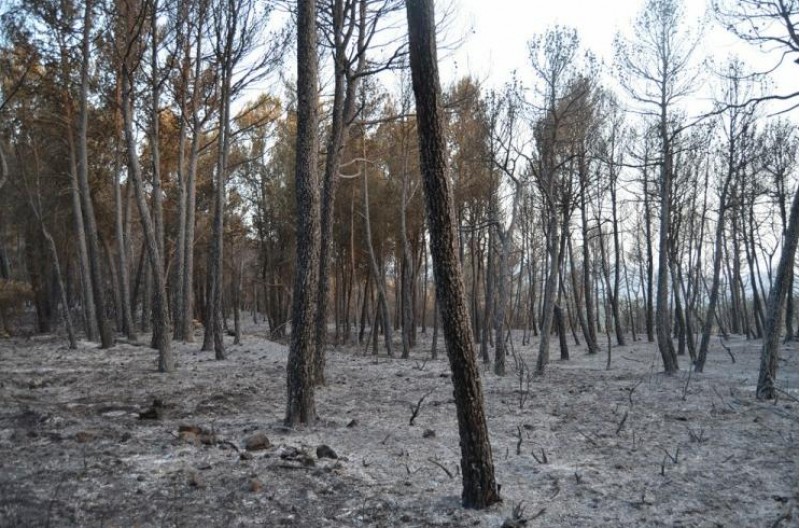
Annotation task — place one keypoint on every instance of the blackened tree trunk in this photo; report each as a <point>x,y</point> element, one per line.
<point>477,468</point>
<point>777,297</point>
<point>343,111</point>
<point>155,149</point>
<point>488,307</point>
<point>124,282</point>
<point>187,302</point>
<point>591,333</point>
<point>90,222</point>
<point>376,270</point>
<point>550,289</point>
<point>300,408</point>
<point>713,295</point>
<point>166,360</point>
<point>663,320</point>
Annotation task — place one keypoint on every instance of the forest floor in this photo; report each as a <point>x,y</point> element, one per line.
<point>81,443</point>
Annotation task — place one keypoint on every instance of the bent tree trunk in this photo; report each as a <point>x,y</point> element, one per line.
<point>477,468</point>
<point>777,296</point>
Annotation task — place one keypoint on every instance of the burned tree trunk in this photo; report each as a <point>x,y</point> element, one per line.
<point>477,468</point>
<point>777,297</point>
<point>300,408</point>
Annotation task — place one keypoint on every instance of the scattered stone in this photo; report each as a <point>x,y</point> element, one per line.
<point>325,451</point>
<point>256,485</point>
<point>203,466</point>
<point>190,428</point>
<point>155,412</point>
<point>294,454</point>
<point>125,437</point>
<point>352,423</point>
<point>257,442</point>
<point>189,437</point>
<point>196,481</point>
<point>428,433</point>
<point>244,455</point>
<point>207,438</point>
<point>83,437</point>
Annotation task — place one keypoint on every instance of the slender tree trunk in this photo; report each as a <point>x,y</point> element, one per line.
<point>617,259</point>
<point>407,282</point>
<point>90,222</point>
<point>648,235</point>
<point>708,321</point>
<point>477,468</point>
<point>663,322</point>
<point>551,286</point>
<point>215,257</point>
<point>489,301</point>
<point>166,360</point>
<point>506,237</point>
<point>373,261</point>
<point>777,296</point>
<point>155,150</point>
<point>87,298</point>
<point>575,291</point>
<point>128,326</point>
<point>187,302</point>
<point>591,334</point>
<point>300,407</point>
<point>184,44</point>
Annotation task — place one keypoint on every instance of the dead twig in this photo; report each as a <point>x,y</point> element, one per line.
<point>631,391</point>
<point>416,408</point>
<point>230,444</point>
<point>622,423</point>
<point>589,438</point>
<point>727,349</point>
<point>686,386</point>
<point>787,394</point>
<point>696,436</point>
<point>542,460</point>
<point>672,457</point>
<point>441,466</point>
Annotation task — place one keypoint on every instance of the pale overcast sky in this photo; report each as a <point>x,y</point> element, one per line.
<point>497,33</point>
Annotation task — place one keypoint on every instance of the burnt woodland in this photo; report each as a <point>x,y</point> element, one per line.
<point>270,263</point>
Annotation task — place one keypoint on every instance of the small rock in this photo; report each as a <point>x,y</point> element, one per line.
<point>188,437</point>
<point>207,438</point>
<point>352,423</point>
<point>140,478</point>
<point>325,451</point>
<point>256,485</point>
<point>196,481</point>
<point>428,433</point>
<point>155,412</point>
<point>83,437</point>
<point>257,441</point>
<point>125,437</point>
<point>203,466</point>
<point>245,456</point>
<point>190,428</point>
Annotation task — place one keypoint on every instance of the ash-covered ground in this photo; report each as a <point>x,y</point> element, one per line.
<point>82,443</point>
